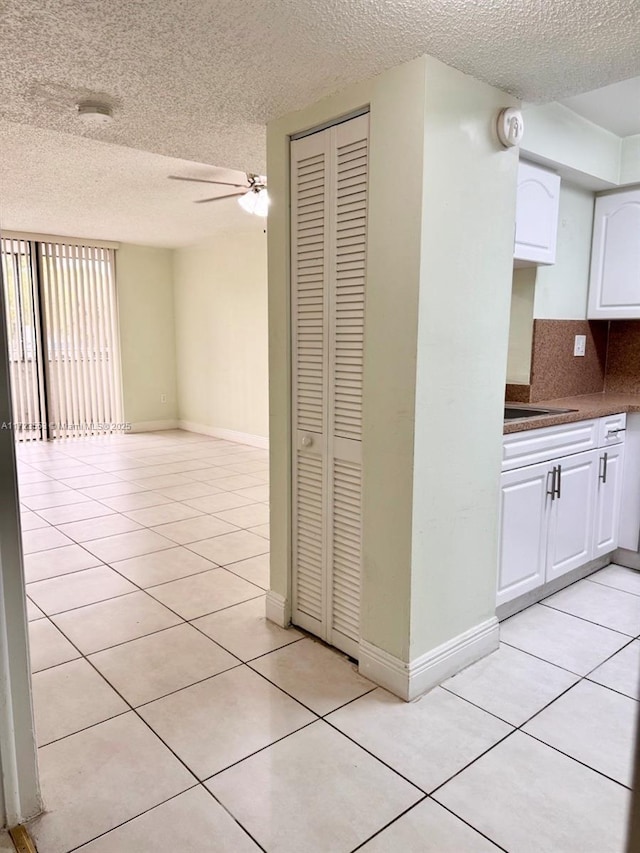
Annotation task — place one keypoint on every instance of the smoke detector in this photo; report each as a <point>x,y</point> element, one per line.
<point>95,114</point>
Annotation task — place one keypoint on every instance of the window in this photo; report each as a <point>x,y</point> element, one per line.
<point>60,307</point>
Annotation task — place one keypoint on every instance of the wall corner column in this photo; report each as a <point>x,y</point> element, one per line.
<point>19,785</point>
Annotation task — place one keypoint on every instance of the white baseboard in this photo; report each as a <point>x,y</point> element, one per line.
<point>153,426</point>
<point>228,434</point>
<point>278,609</point>
<point>410,680</point>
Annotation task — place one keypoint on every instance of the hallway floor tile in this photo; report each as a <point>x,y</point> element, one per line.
<point>176,717</point>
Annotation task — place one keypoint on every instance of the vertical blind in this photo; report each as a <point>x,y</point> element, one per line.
<point>63,337</point>
<point>23,338</point>
<point>81,339</point>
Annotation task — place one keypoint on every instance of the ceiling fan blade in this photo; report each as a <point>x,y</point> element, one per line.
<point>218,197</point>
<point>205,181</point>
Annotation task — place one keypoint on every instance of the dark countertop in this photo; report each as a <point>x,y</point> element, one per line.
<point>587,406</point>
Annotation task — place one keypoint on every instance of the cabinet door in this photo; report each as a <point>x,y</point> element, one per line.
<point>614,287</point>
<point>524,506</point>
<point>607,509</point>
<point>536,215</point>
<point>571,517</point>
<point>629,528</point>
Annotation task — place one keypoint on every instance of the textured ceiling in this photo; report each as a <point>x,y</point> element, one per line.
<point>198,79</point>
<point>615,107</point>
<point>52,183</point>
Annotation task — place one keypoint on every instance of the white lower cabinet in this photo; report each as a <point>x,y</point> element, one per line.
<point>523,530</point>
<point>571,513</point>
<point>608,500</point>
<point>556,516</point>
<point>629,530</point>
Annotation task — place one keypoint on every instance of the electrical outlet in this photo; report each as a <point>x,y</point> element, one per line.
<point>580,345</point>
<point>163,397</point>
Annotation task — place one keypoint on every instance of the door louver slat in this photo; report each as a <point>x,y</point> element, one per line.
<point>309,537</point>
<point>346,549</point>
<point>350,261</point>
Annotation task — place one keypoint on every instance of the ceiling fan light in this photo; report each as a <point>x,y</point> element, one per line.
<point>261,207</point>
<point>248,201</point>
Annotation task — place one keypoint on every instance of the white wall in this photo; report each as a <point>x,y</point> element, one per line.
<point>521,325</point>
<point>630,162</point>
<point>581,150</point>
<point>147,335</point>
<point>220,300</point>
<point>396,200</point>
<point>396,99</point>
<point>561,289</point>
<point>19,788</point>
<point>555,292</point>
<point>441,208</point>
<point>469,189</point>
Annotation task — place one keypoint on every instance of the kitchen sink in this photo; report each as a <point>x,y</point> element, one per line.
<point>517,413</point>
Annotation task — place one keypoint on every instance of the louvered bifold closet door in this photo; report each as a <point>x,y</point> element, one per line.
<point>329,171</point>
<point>309,282</point>
<point>346,332</point>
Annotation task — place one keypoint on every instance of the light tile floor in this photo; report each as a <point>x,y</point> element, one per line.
<point>172,716</point>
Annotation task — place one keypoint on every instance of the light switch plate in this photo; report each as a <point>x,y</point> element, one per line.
<point>580,345</point>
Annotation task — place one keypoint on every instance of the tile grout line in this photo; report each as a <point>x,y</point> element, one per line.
<point>97,500</point>
<point>537,657</point>
<point>591,579</point>
<point>579,678</point>
<point>247,663</point>
<point>578,761</point>
<point>112,567</point>
<point>588,621</point>
<point>129,820</point>
<point>520,729</point>
<point>103,562</point>
<point>240,663</point>
<point>424,799</point>
<point>390,823</point>
<point>234,818</point>
<point>152,730</point>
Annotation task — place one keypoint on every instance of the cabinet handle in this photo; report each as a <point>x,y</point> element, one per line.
<point>307,440</point>
<point>552,491</point>
<point>613,433</point>
<point>559,482</point>
<point>603,475</point>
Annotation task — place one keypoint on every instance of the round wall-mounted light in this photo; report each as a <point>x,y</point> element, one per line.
<point>95,114</point>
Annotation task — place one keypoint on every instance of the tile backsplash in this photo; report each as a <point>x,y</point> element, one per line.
<point>611,362</point>
<point>555,371</point>
<point>623,359</point>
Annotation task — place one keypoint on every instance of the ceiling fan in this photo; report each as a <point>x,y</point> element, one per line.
<point>252,195</point>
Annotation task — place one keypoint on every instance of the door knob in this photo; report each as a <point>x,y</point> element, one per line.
<point>307,440</point>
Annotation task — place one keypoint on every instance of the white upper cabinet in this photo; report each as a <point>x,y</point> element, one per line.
<point>614,289</point>
<point>536,215</point>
